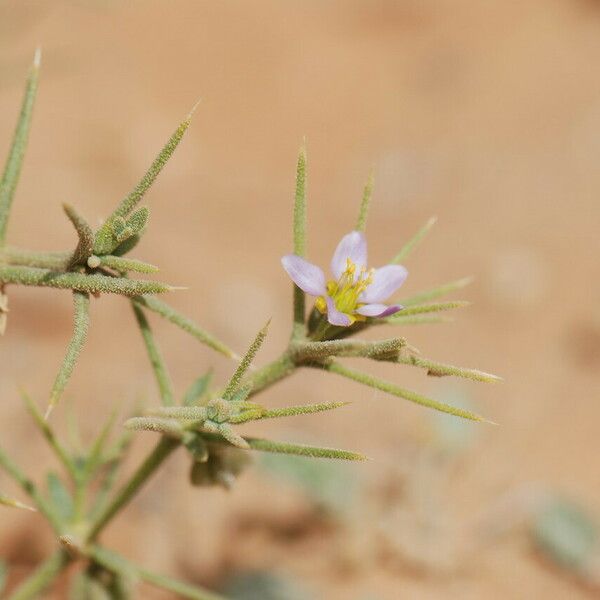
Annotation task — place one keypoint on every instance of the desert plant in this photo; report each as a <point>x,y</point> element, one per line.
<point>80,505</point>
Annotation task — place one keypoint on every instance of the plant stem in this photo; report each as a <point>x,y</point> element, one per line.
<point>126,493</point>
<point>42,577</point>
<point>272,373</point>
<point>120,565</point>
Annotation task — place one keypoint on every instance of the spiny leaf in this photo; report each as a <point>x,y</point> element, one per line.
<point>361,224</point>
<point>175,317</point>
<point>245,363</point>
<point>124,264</point>
<point>300,205</point>
<point>241,394</point>
<point>427,308</point>
<point>104,238</point>
<point>128,245</point>
<point>138,220</point>
<point>231,436</point>
<point>415,320</point>
<point>85,245</point>
<point>436,292</point>
<point>169,427</point>
<point>81,282</point>
<point>59,496</point>
<point>81,302</point>
<point>301,450</point>
<point>158,364</point>
<point>391,388</point>
<point>289,411</point>
<point>197,390</point>
<point>440,369</point>
<point>7,501</point>
<point>299,306</point>
<point>49,434</point>
<point>95,454</point>
<point>14,162</point>
<point>414,241</point>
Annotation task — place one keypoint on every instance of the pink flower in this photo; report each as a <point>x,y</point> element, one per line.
<point>355,293</point>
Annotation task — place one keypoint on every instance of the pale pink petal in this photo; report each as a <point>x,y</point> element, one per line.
<point>352,246</point>
<point>334,316</point>
<point>378,310</point>
<point>305,275</point>
<point>386,281</point>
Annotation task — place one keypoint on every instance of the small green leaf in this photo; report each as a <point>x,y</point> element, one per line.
<point>81,303</point>
<point>118,263</point>
<point>434,307</point>
<point>361,224</point>
<point>175,317</point>
<point>197,390</point>
<point>235,381</point>
<point>436,292</point>
<point>413,242</point>
<point>7,501</point>
<point>437,369</point>
<point>60,497</point>
<point>158,364</point>
<point>138,220</point>
<point>300,205</point>
<point>301,450</point>
<point>104,243</point>
<point>14,162</point>
<point>170,427</point>
<point>289,411</point>
<point>85,245</point>
<point>300,239</point>
<point>394,390</point>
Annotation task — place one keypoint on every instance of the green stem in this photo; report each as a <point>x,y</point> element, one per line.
<point>120,565</point>
<point>130,489</point>
<point>272,373</point>
<point>42,577</point>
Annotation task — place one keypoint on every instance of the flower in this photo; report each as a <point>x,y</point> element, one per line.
<point>355,293</point>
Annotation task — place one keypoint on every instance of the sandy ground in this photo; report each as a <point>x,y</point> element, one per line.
<point>486,114</point>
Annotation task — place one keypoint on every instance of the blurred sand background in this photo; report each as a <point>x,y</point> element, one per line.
<point>486,114</point>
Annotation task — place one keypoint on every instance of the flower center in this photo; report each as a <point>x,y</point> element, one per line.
<point>346,290</point>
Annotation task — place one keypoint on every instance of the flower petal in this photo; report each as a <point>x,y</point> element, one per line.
<point>334,316</point>
<point>308,277</point>
<point>352,246</point>
<point>378,310</point>
<point>386,281</point>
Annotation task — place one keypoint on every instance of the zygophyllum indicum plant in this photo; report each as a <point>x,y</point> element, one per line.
<point>203,424</point>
